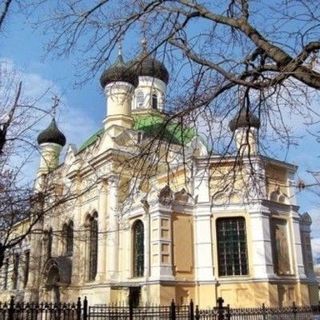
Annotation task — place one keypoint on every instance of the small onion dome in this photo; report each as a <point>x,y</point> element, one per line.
<point>244,119</point>
<point>151,67</point>
<point>119,71</point>
<point>52,135</point>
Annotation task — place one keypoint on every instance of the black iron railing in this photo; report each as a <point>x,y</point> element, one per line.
<point>82,311</point>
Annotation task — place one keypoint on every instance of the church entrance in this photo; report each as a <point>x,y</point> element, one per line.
<point>56,275</point>
<point>52,284</point>
<point>134,296</point>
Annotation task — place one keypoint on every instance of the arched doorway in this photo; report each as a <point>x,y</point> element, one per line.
<point>57,274</point>
<point>52,284</point>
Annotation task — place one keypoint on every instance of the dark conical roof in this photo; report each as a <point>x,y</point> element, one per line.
<point>146,65</point>
<point>151,67</point>
<point>52,135</point>
<point>119,71</point>
<point>244,119</point>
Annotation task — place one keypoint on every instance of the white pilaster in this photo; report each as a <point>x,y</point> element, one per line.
<point>296,245</point>
<point>201,185</point>
<point>292,188</point>
<point>204,265</point>
<point>262,262</point>
<point>113,228</point>
<point>102,213</point>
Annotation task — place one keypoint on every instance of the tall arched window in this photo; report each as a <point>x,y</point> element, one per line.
<point>49,243</point>
<point>68,236</point>
<point>138,249</point>
<point>6,273</point>
<point>26,268</point>
<point>140,99</point>
<point>15,276</point>
<point>93,247</point>
<point>154,101</point>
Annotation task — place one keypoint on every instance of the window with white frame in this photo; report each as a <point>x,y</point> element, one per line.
<point>232,246</point>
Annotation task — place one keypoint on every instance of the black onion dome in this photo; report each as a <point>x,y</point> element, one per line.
<point>244,119</point>
<point>119,71</point>
<point>52,135</point>
<point>151,67</point>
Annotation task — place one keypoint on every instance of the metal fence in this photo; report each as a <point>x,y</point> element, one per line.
<point>82,311</point>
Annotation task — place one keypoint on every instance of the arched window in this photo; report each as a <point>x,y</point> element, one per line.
<point>154,101</point>
<point>68,237</point>
<point>138,249</point>
<point>93,247</point>
<point>15,276</point>
<point>6,273</point>
<point>140,99</point>
<point>26,268</point>
<point>49,243</point>
<point>232,246</point>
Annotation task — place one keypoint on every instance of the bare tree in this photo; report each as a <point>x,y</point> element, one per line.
<point>5,6</point>
<point>222,55</point>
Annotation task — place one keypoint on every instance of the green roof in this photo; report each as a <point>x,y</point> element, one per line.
<point>155,126</point>
<point>92,139</point>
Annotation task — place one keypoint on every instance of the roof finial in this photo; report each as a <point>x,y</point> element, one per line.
<point>120,48</point>
<point>144,44</point>
<point>120,57</point>
<point>56,102</point>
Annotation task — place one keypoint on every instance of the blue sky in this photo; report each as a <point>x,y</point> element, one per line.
<point>83,108</point>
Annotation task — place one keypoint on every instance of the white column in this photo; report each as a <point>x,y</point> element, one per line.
<point>204,265</point>
<point>36,257</point>
<point>296,245</point>
<point>292,188</point>
<point>102,212</point>
<point>147,241</point>
<point>113,228</point>
<point>201,185</point>
<point>262,262</point>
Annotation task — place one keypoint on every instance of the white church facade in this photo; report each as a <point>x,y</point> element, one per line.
<point>132,230</point>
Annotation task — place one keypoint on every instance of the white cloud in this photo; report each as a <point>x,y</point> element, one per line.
<point>37,90</point>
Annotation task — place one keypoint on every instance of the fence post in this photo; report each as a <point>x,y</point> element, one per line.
<point>130,309</point>
<point>294,310</point>
<point>11,309</point>
<point>79,309</point>
<point>191,310</point>
<point>172,310</point>
<point>220,302</point>
<point>197,313</point>
<point>85,308</point>
<point>228,312</point>
<point>263,312</point>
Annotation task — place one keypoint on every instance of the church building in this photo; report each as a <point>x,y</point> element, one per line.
<point>146,213</point>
